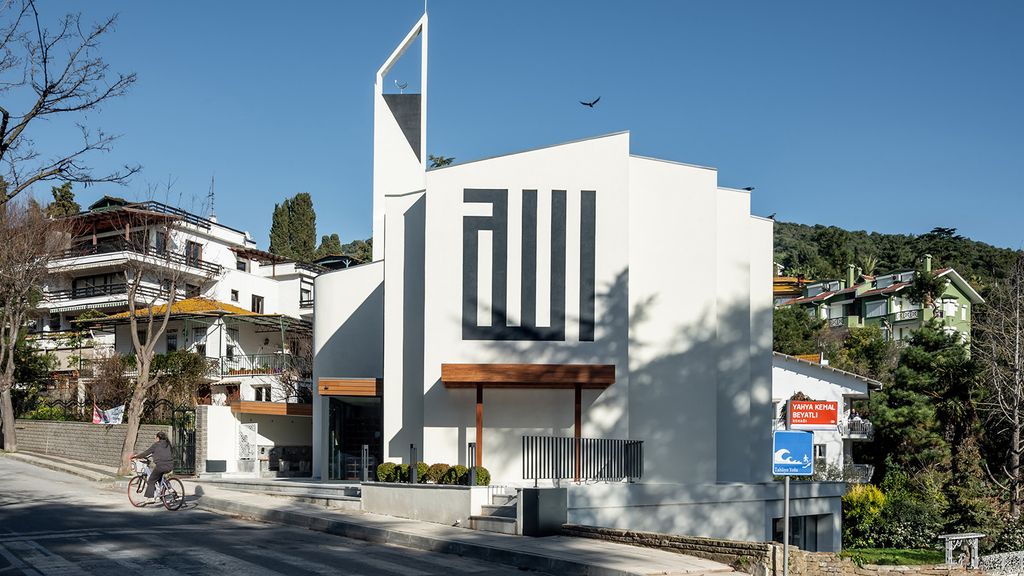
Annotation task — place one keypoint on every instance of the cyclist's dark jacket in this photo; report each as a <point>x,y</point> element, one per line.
<point>161,451</point>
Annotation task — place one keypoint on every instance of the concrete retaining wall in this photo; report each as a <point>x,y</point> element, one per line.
<point>425,502</point>
<point>83,441</point>
<point>757,558</point>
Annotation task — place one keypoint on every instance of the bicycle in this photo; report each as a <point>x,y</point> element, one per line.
<point>171,492</point>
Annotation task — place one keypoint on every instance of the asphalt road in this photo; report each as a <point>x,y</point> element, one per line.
<point>55,524</point>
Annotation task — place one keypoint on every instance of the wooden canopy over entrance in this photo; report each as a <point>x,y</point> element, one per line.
<point>528,376</point>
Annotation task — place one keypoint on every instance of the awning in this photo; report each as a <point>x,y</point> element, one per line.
<point>94,306</point>
<point>272,408</point>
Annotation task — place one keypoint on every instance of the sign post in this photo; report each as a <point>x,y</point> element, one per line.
<point>793,452</point>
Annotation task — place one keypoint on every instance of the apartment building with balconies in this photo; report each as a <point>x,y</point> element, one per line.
<point>244,310</point>
<point>862,300</point>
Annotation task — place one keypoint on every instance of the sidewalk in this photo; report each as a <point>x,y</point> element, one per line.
<point>560,555</point>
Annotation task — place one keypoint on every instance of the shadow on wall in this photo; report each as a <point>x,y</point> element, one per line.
<point>669,398</point>
<point>358,342</point>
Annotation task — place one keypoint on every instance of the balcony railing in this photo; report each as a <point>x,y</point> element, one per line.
<point>306,303</point>
<point>858,429</point>
<point>861,473</point>
<point>906,315</point>
<point>263,364</point>
<point>142,293</point>
<point>123,246</point>
<point>559,457</point>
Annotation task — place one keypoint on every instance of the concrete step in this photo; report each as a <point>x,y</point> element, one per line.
<point>503,499</point>
<point>325,500</point>
<point>493,524</point>
<point>498,511</point>
<point>285,487</point>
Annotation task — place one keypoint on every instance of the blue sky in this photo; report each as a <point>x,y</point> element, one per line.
<point>876,115</point>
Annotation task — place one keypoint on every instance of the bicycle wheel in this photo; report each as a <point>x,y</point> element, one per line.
<point>136,491</point>
<point>174,494</point>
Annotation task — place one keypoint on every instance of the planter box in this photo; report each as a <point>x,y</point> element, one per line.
<point>438,503</point>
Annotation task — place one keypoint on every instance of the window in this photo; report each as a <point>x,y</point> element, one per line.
<point>142,336</point>
<point>242,265</point>
<point>172,342</point>
<point>963,312</point>
<point>229,351</point>
<point>234,295</point>
<point>191,290</point>
<point>257,304</point>
<point>820,451</point>
<point>876,308</point>
<point>262,393</point>
<point>949,309</point>
<point>54,322</point>
<point>193,252</point>
<point>88,286</point>
<point>161,242</point>
<point>199,338</point>
<point>305,295</point>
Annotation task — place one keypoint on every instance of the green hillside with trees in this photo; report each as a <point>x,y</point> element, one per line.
<point>949,420</point>
<point>822,252</point>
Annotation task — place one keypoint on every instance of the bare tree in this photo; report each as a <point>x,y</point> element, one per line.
<point>999,347</point>
<point>154,277</point>
<point>29,242</point>
<point>57,73</point>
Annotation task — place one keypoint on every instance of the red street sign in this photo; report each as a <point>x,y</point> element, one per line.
<point>813,415</point>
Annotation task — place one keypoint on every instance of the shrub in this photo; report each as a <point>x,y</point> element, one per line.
<point>386,472</point>
<point>862,508</point>
<point>1011,537</point>
<point>46,413</point>
<point>421,472</point>
<point>483,477</point>
<point>912,516</point>
<point>435,472</point>
<point>456,475</point>
<point>403,473</point>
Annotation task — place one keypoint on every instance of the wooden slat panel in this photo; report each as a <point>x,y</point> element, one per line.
<point>528,375</point>
<point>273,408</point>
<point>351,387</point>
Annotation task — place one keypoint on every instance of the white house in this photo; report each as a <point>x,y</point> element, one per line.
<point>563,315</point>
<point>819,381</point>
<point>246,311</point>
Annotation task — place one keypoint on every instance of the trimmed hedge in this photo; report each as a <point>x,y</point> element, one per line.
<point>457,475</point>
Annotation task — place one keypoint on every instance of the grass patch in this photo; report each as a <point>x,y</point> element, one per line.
<point>894,556</point>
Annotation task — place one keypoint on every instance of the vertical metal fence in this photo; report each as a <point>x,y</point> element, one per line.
<point>555,458</point>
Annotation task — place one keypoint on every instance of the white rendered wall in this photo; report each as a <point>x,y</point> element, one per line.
<point>281,430</point>
<point>762,233</point>
<point>673,319</point>
<point>599,164</point>
<point>222,436</point>
<point>348,337</point>
<point>732,292</point>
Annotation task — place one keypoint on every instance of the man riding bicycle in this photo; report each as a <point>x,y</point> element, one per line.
<point>163,462</point>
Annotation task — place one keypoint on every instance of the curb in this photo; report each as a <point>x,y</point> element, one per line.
<point>515,558</point>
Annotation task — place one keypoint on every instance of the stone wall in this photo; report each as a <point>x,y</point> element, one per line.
<point>202,422</point>
<point>756,558</point>
<point>83,441</point>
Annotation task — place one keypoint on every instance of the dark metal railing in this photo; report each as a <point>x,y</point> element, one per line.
<point>258,364</point>
<point>126,246</point>
<point>142,293</point>
<point>306,303</point>
<point>555,458</point>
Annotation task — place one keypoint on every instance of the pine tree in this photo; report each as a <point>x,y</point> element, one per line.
<point>329,245</point>
<point>280,237</point>
<point>63,202</point>
<point>302,227</point>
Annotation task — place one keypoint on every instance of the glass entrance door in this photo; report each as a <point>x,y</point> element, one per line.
<point>354,421</point>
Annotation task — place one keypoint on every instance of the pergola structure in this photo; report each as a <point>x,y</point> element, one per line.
<point>576,377</point>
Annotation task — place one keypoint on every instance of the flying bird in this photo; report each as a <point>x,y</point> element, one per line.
<point>590,104</point>
<point>749,188</point>
<point>772,215</point>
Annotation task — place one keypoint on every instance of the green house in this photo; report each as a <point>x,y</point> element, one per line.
<point>861,300</point>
